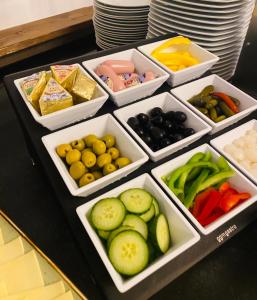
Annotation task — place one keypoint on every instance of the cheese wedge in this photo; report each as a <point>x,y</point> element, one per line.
<point>54,98</point>
<point>48,292</point>
<point>66,296</point>
<point>33,87</point>
<point>11,250</point>
<point>65,75</point>
<point>21,274</point>
<point>8,232</point>
<point>3,289</point>
<point>1,237</point>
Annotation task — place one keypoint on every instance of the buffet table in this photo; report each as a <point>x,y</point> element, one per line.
<point>32,205</point>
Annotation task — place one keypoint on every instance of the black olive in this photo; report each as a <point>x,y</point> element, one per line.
<point>133,122</point>
<point>140,131</point>
<point>180,127</point>
<point>180,116</point>
<point>156,111</point>
<point>178,137</point>
<point>155,147</point>
<point>148,126</point>
<point>143,118</point>
<point>158,120</point>
<point>157,134</point>
<point>147,139</point>
<point>168,125</point>
<point>188,131</point>
<point>165,142</point>
<point>170,115</point>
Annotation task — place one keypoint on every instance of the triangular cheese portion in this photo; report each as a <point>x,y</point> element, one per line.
<point>48,292</point>
<point>65,75</point>
<point>11,250</point>
<point>66,296</point>
<point>21,274</point>
<point>3,289</point>
<point>8,232</point>
<point>1,237</point>
<point>54,98</point>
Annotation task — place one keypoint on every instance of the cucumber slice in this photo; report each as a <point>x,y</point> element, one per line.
<point>156,207</point>
<point>115,232</point>
<point>136,200</point>
<point>103,234</point>
<point>137,224</point>
<point>129,253</point>
<point>108,214</point>
<point>147,216</point>
<point>159,233</point>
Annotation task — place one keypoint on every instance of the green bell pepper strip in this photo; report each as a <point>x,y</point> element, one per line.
<point>223,164</point>
<point>196,171</point>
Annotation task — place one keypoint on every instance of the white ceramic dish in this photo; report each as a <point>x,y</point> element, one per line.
<point>238,181</point>
<point>98,126</point>
<point>69,115</point>
<point>211,4</point>
<point>227,138</point>
<point>167,102</point>
<point>185,92</point>
<point>142,64</point>
<point>207,60</point>
<point>182,233</point>
<point>125,3</point>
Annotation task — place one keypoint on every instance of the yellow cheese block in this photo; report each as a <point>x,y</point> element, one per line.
<point>22,274</point>
<point>48,292</point>
<point>65,75</point>
<point>11,250</point>
<point>66,296</point>
<point>54,98</point>
<point>1,237</point>
<point>3,289</point>
<point>8,232</point>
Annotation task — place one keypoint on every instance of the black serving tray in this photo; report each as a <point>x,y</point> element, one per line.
<point>33,133</point>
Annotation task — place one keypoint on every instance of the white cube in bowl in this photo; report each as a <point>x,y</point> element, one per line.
<point>183,235</point>
<point>238,181</point>
<point>167,102</point>
<point>142,65</point>
<point>99,126</point>
<point>68,115</point>
<point>227,138</point>
<point>186,91</point>
<point>206,61</point>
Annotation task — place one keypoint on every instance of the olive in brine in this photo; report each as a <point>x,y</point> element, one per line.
<point>143,118</point>
<point>188,131</point>
<point>133,122</point>
<point>156,111</point>
<point>180,116</point>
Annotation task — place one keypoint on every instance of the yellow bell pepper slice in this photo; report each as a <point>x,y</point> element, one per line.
<point>174,41</point>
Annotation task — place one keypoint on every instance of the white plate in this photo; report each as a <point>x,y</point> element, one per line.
<point>98,126</point>
<point>135,17</point>
<point>142,65</point>
<point>185,92</point>
<point>183,235</point>
<point>68,115</point>
<point>206,59</point>
<point>238,181</point>
<point>125,10</point>
<point>125,3</point>
<point>167,102</point>
<point>126,24</point>
<point>210,4</point>
<point>227,138</point>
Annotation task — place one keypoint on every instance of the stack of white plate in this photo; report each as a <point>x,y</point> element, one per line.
<point>219,26</point>
<point>119,22</point>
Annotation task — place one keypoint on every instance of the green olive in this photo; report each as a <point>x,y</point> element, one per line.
<point>109,168</point>
<point>89,159</point>
<point>99,147</point>
<point>86,179</point>
<point>97,174</point>
<point>114,152</point>
<point>78,144</point>
<point>103,159</point>
<point>109,140</point>
<point>77,170</point>
<point>90,139</point>
<point>122,162</point>
<point>63,149</point>
<point>73,156</point>
<point>86,150</point>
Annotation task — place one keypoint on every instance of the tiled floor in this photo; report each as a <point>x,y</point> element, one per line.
<point>17,12</point>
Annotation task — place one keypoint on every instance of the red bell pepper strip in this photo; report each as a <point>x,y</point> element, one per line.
<point>224,187</point>
<point>230,201</point>
<point>229,192</point>
<point>217,214</point>
<point>200,200</point>
<point>210,205</point>
<point>230,103</point>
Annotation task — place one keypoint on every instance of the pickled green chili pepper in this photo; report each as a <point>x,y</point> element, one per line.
<point>213,114</point>
<point>203,110</point>
<point>225,109</point>
<point>220,118</point>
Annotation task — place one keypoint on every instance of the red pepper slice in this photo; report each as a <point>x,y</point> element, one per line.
<point>224,187</point>
<point>210,205</point>
<point>230,201</point>
<point>217,214</point>
<point>200,200</point>
<point>229,192</point>
<point>230,103</point>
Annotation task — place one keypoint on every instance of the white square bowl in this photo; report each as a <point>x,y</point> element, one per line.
<point>142,65</point>
<point>98,126</point>
<point>238,181</point>
<point>186,91</point>
<point>68,115</point>
<point>183,235</point>
<point>227,138</point>
<point>167,102</point>
<point>206,59</point>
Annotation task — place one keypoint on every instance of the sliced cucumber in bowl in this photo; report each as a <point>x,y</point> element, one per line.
<point>137,224</point>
